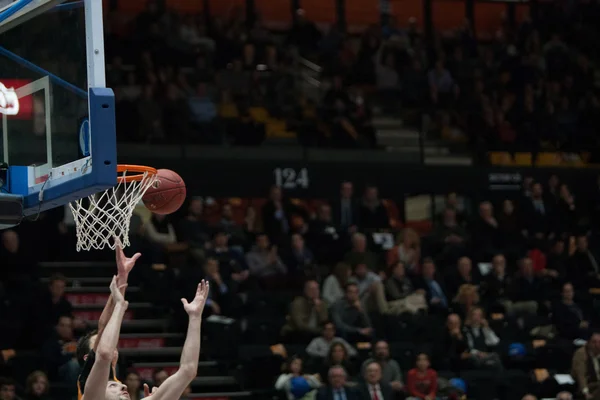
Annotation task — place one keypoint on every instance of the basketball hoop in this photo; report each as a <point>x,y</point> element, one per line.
<point>101,217</point>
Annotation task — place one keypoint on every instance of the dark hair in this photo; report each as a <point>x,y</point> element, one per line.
<point>348,284</point>
<point>57,277</point>
<point>156,372</point>
<point>83,346</point>
<point>6,382</point>
<point>332,347</point>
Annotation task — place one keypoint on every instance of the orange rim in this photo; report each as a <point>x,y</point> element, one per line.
<point>139,171</point>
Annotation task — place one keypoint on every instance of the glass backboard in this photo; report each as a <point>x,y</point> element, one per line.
<point>60,146</point>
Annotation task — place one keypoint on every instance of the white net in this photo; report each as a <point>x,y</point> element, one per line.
<point>103,216</point>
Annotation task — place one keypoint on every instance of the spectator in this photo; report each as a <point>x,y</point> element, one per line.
<point>434,291</point>
<point>134,385</point>
<point>334,284</point>
<point>455,344</point>
<point>203,112</point>
<point>7,389</point>
<point>374,388</point>
<point>400,292</point>
<point>407,250</point>
<point>325,238</point>
<point>264,262</point>
<point>237,235</point>
<point>536,211</point>
<point>59,352</point>
<point>372,213</point>
<point>583,368</point>
<point>568,317</point>
<point>337,387</point>
<point>527,289</point>
<point>159,376</point>
<point>481,341</point>
<point>464,275</point>
<point>390,370</point>
<point>345,209</point>
<point>350,317</point>
<point>150,114</point>
<point>293,382</point>
<point>339,356</point>
<point>466,300</point>
<point>193,229</point>
<point>160,232</point>
<point>231,261</point>
<point>359,253</point>
<point>299,259</point>
<point>37,386</point>
<point>370,289</point>
<point>564,396</point>
<point>497,285</point>
<point>319,347</point>
<point>421,381</point>
<point>307,315</point>
<point>485,232</point>
<point>585,267</point>
<point>450,236</point>
<point>277,215</point>
<point>58,303</point>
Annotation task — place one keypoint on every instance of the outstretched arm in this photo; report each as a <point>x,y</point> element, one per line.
<point>124,267</point>
<point>174,386</point>
<point>95,385</point>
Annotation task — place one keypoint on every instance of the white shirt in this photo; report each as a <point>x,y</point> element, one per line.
<point>375,388</point>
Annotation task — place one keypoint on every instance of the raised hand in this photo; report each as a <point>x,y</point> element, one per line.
<point>195,308</point>
<point>147,390</point>
<point>115,291</point>
<point>124,264</point>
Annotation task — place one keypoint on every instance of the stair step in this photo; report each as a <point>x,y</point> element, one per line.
<point>220,395</point>
<point>98,289</point>
<point>204,381</point>
<point>79,269</point>
<point>154,365</point>
<point>153,335</point>
<point>83,281</point>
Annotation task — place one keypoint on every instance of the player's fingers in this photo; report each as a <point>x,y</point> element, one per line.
<point>184,302</point>
<point>123,286</point>
<point>136,256</point>
<point>146,390</point>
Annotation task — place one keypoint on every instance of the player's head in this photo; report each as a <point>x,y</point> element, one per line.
<point>84,345</point>
<point>116,391</point>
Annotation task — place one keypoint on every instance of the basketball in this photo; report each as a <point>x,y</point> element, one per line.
<point>167,193</point>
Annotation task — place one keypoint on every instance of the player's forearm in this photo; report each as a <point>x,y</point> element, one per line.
<point>191,348</point>
<point>107,343</point>
<point>108,310</point>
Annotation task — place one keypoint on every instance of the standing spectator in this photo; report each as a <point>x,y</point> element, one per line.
<point>372,213</point>
<point>345,209</point>
<point>264,262</point>
<point>568,317</point>
<point>307,315</point>
<point>334,284</point>
<point>374,388</point>
<point>421,381</point>
<point>324,237</point>
<point>584,369</point>
<point>295,384</point>
<point>390,370</point>
<point>37,386</point>
<point>319,346</point>
<point>350,317</point>
<point>277,215</point>
<point>337,389</point>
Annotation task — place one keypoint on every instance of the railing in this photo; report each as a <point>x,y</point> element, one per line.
<point>308,78</point>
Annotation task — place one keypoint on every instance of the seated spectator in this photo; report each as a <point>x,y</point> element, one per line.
<point>194,230</point>
<point>372,214</point>
<point>264,263</point>
<point>324,237</point>
<point>370,289</point>
<point>220,297</point>
<point>496,286</point>
<point>390,370</point>
<point>536,211</point>
<point>350,317</point>
<point>319,346</point>
<point>584,268</point>
<point>339,356</point>
<point>485,233</point>
<point>299,259</point>
<point>238,236</point>
<point>231,261</point>
<point>568,317</point>
<point>511,232</point>
<point>295,384</point>
<point>277,214</point>
<point>481,341</point>
<point>56,300</point>
<point>307,315</point>
<point>203,113</point>
<point>529,397</point>
<point>527,289</point>
<point>334,284</point>
<point>441,85</point>
<point>345,209</point>
<point>564,396</point>
<point>36,386</point>
<point>455,346</point>
<point>407,250</point>
<point>59,352</point>
<point>160,231</point>
<point>434,291</point>
<point>360,254</point>
<point>373,387</point>
<point>134,385</point>
<point>583,369</point>
<point>159,376</point>
<point>464,275</point>
<point>401,294</point>
<point>8,390</point>
<point>421,381</point>
<point>557,261</point>
<point>466,300</point>
<point>337,387</point>
<point>450,236</point>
